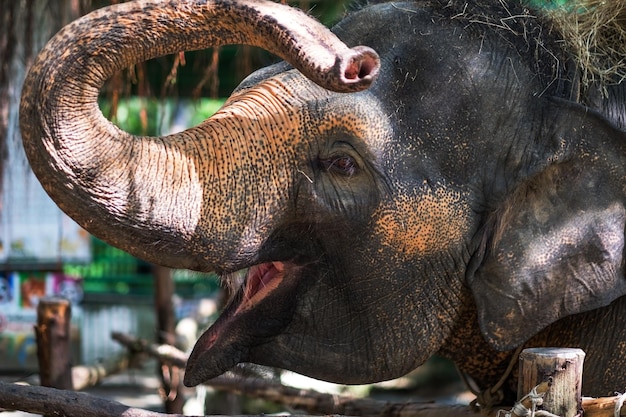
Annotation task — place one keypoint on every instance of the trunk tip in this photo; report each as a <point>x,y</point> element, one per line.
<point>359,69</point>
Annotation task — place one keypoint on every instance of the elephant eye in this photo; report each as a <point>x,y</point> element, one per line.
<point>343,165</point>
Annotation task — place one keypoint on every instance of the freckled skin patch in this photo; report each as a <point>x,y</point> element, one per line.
<point>240,158</point>
<point>440,220</point>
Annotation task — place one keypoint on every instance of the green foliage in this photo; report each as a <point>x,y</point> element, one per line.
<point>204,108</point>
<point>114,272</point>
<point>547,4</point>
<point>143,116</point>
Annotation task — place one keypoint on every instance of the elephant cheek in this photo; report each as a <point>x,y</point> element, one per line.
<point>429,221</point>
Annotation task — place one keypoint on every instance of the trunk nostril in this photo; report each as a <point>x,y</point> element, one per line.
<point>369,67</point>
<point>361,68</point>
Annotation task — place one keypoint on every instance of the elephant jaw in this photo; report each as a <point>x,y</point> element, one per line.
<point>261,309</point>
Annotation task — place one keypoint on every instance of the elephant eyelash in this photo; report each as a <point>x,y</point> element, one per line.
<point>344,165</point>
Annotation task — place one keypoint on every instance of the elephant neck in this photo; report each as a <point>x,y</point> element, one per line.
<point>478,363</point>
<point>594,332</point>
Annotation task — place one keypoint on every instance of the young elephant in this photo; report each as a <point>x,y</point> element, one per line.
<point>464,204</point>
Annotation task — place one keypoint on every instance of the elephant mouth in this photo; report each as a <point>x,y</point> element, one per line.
<point>260,310</point>
<point>260,280</point>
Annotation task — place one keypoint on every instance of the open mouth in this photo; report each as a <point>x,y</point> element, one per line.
<point>261,309</point>
<point>260,280</point>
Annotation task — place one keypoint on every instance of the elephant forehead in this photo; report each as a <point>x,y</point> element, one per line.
<point>425,221</point>
<point>359,114</point>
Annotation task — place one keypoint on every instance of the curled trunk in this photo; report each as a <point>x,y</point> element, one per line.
<point>161,198</point>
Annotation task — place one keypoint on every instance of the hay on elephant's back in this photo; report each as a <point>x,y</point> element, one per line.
<point>595,30</point>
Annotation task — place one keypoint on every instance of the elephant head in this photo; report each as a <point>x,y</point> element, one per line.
<point>370,222</point>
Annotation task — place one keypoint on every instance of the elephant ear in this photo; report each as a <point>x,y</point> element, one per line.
<point>555,249</point>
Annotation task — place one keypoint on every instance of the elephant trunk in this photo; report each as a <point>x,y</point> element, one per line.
<point>169,199</point>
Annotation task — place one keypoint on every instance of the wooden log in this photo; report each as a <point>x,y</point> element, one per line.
<point>37,399</point>
<point>84,376</point>
<point>562,367</point>
<point>164,353</point>
<point>51,401</point>
<point>70,403</point>
<point>54,351</point>
<point>604,406</point>
<point>89,376</point>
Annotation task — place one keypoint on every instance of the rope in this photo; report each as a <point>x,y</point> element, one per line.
<point>618,405</point>
<point>487,399</point>
<point>520,410</point>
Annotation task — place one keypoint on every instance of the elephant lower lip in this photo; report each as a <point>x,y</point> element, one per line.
<point>261,310</point>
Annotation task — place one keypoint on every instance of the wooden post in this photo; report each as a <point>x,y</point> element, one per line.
<point>54,350</point>
<point>563,369</point>
<point>171,375</point>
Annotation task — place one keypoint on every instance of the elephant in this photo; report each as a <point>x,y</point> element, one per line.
<point>426,177</point>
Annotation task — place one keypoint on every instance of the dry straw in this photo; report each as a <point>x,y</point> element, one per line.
<point>595,31</point>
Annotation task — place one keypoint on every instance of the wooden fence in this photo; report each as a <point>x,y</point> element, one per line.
<point>550,381</point>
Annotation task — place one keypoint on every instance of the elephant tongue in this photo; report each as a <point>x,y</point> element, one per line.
<point>260,310</point>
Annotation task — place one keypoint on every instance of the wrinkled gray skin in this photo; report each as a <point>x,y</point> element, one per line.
<point>464,204</point>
